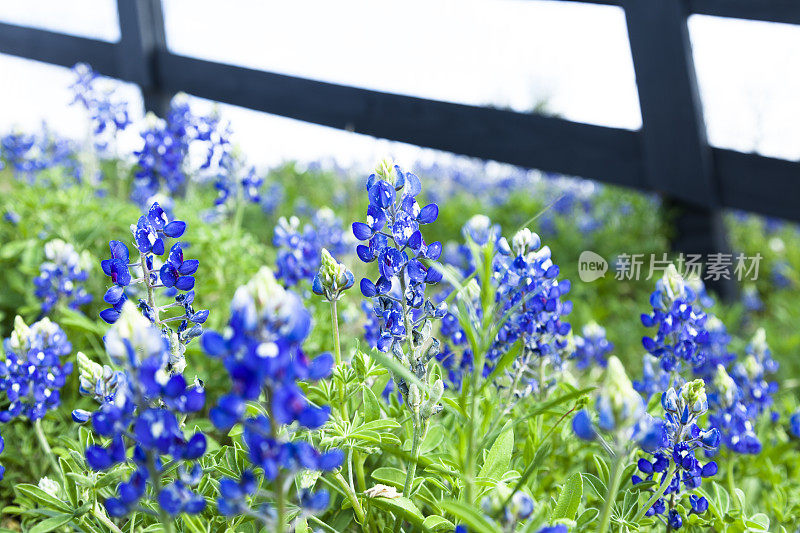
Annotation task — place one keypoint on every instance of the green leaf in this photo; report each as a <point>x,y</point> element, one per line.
<point>761,519</point>
<point>597,485</point>
<point>437,523</point>
<point>41,497</point>
<point>194,523</point>
<point>469,516</point>
<point>499,457</point>
<point>586,517</point>
<point>51,524</point>
<point>389,476</point>
<point>69,482</point>
<point>402,507</point>
<point>301,526</point>
<point>569,499</point>
<point>372,409</point>
<point>602,469</point>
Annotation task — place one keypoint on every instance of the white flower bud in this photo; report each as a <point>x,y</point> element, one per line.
<point>49,486</point>
<point>626,404</point>
<point>725,385</point>
<point>414,397</point>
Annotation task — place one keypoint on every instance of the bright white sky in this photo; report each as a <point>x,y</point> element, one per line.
<point>509,53</point>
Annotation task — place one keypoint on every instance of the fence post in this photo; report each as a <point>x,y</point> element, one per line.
<point>678,160</point>
<point>142,37</point>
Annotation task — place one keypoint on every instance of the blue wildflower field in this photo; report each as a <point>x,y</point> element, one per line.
<point>192,344</point>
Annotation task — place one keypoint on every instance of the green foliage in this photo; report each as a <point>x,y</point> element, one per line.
<point>480,449</point>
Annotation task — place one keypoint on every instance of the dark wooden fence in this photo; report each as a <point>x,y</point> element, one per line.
<point>670,155</point>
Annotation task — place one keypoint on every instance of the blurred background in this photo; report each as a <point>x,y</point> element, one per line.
<point>567,59</point>
<point>559,59</point>
<point>289,188</point>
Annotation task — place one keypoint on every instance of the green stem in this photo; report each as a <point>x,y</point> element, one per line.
<point>155,477</point>
<point>280,503</point>
<point>238,215</point>
<point>337,354</point>
<point>412,468</point>
<point>361,479</point>
<point>37,426</point>
<point>731,484</point>
<point>98,513</point>
<point>659,493</point>
<point>351,496</point>
<point>611,496</point>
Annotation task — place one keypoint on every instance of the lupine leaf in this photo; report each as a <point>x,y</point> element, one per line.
<point>469,516</point>
<point>402,507</point>
<point>372,409</point>
<point>499,456</point>
<point>41,497</point>
<point>569,499</point>
<point>438,523</point>
<point>586,517</point>
<point>51,524</point>
<point>597,485</point>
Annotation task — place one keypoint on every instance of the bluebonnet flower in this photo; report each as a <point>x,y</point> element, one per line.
<point>261,349</point>
<point>406,265</point>
<point>794,424</point>
<point>12,217</point>
<point>2,468</point>
<point>175,273</point>
<point>592,347</point>
<point>332,279</point>
<point>730,415</point>
<point>372,325</point>
<point>299,250</point>
<point>32,373</point>
<point>108,113</point>
<point>272,198</point>
<point>781,274</point>
<point>753,375</point>
<point>236,185</point>
<point>681,324</point>
<point>30,154</point>
<point>674,455</point>
<point>163,161</point>
<point>456,355</point>
<point>716,350</point>
<point>18,151</point>
<point>751,300</point>
<point>621,414</point>
<point>732,409</point>
<point>519,508</point>
<point>528,307</point>
<point>62,276</point>
<point>100,382</point>
<point>140,409</point>
<point>529,296</point>
<point>558,528</point>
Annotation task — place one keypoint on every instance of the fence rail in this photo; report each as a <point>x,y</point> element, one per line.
<point>669,155</point>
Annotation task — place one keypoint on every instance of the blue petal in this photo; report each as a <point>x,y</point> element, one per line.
<point>428,214</point>
<point>114,294</point>
<point>582,425</point>
<point>213,344</point>
<point>368,288</point>
<point>175,229</point>
<point>188,267</point>
<point>184,283</point>
<point>362,231</point>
